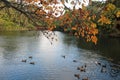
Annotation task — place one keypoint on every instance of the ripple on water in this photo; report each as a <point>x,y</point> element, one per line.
<point>49,63</point>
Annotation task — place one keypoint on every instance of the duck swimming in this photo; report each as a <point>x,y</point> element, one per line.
<point>63,56</point>
<point>32,63</point>
<point>24,60</point>
<point>30,57</point>
<point>77,76</point>
<point>85,78</point>
<point>82,69</point>
<point>74,60</point>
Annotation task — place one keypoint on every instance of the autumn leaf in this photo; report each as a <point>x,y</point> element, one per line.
<point>88,38</point>
<point>75,34</point>
<point>94,39</point>
<point>104,20</point>
<point>35,0</point>
<point>74,28</point>
<point>51,28</point>
<point>118,14</point>
<point>93,25</point>
<point>82,33</point>
<point>93,17</point>
<point>110,6</point>
<point>95,31</point>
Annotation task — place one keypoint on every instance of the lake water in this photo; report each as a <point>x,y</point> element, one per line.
<point>58,60</point>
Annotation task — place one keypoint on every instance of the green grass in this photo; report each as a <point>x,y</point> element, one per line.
<point>10,20</point>
<point>10,26</point>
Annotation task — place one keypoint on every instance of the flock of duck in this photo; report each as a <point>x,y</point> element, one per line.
<point>83,68</point>
<point>25,60</point>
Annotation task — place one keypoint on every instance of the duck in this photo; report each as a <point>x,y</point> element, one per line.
<point>104,66</point>
<point>32,63</point>
<point>52,38</point>
<point>24,60</point>
<point>74,60</point>
<point>85,65</point>
<point>98,63</point>
<point>77,76</point>
<point>82,69</point>
<point>78,68</point>
<point>85,78</point>
<point>63,56</point>
<point>30,57</point>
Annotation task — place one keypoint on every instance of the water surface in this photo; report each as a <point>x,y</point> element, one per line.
<point>49,61</point>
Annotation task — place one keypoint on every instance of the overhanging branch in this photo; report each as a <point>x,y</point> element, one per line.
<point>30,15</point>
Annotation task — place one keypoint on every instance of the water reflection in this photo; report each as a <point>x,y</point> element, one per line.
<point>106,46</point>
<point>49,63</point>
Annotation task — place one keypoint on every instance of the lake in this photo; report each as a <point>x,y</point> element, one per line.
<point>31,55</point>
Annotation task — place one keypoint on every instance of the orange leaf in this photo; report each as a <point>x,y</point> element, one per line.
<point>94,39</point>
<point>74,28</point>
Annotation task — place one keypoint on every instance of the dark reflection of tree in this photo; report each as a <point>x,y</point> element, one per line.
<point>81,43</point>
<point>108,47</point>
<point>69,40</point>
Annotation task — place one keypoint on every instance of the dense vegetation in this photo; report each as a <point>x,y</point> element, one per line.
<point>87,21</point>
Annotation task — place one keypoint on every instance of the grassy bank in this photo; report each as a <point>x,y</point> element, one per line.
<point>11,26</point>
<point>11,20</point>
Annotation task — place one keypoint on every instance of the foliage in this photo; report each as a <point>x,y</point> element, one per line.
<point>10,26</point>
<point>108,17</point>
<point>12,20</point>
<point>82,22</point>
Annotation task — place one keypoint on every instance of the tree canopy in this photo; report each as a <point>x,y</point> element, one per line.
<point>76,16</point>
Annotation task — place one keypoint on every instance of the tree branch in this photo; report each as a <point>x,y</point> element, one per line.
<point>29,15</point>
